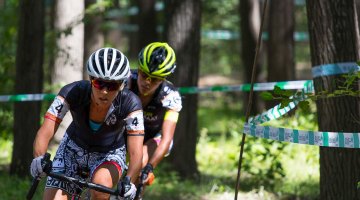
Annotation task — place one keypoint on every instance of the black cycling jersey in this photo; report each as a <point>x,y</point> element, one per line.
<point>77,96</point>
<point>166,97</point>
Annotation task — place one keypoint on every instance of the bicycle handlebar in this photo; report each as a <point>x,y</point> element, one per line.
<point>46,164</point>
<point>83,183</point>
<point>36,180</point>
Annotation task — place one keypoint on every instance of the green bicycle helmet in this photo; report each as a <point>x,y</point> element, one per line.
<point>157,59</point>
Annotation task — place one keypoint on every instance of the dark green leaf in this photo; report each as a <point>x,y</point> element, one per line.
<point>266,96</point>
<point>277,90</point>
<point>305,106</point>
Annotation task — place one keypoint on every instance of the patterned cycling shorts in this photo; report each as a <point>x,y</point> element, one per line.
<point>70,159</point>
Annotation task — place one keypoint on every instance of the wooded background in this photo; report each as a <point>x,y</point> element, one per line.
<point>44,44</point>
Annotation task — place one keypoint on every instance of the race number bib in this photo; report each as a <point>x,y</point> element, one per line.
<point>58,108</point>
<point>135,121</point>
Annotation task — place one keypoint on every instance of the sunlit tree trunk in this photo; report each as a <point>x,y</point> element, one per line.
<point>334,38</point>
<point>182,31</point>
<point>69,61</point>
<point>249,31</point>
<point>357,2</point>
<point>29,79</point>
<point>280,47</point>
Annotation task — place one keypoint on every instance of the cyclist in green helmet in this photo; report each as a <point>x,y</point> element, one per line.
<point>161,104</point>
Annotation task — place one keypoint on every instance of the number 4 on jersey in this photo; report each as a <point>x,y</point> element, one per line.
<point>135,121</point>
<point>59,108</point>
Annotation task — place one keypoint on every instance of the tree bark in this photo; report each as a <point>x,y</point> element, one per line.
<point>249,28</point>
<point>357,3</point>
<point>182,31</point>
<point>134,43</point>
<point>280,47</point>
<point>147,22</point>
<point>334,38</point>
<point>29,79</point>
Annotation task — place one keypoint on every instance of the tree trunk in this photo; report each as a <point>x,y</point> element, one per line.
<point>115,36</point>
<point>280,47</point>
<point>147,22</point>
<point>51,52</point>
<point>249,25</point>
<point>29,79</point>
<point>357,3</point>
<point>69,61</point>
<point>183,34</point>
<point>93,35</point>
<point>334,38</point>
<point>134,43</point>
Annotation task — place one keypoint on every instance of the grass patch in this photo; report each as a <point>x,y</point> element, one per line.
<point>278,170</point>
<point>15,188</point>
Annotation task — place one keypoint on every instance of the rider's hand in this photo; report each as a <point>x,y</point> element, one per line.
<point>127,188</point>
<point>37,165</point>
<point>147,174</point>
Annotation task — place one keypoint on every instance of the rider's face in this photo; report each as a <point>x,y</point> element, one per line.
<point>147,84</point>
<point>104,92</point>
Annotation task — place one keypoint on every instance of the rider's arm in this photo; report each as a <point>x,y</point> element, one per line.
<point>43,137</point>
<point>135,139</point>
<point>168,130</point>
<point>53,118</point>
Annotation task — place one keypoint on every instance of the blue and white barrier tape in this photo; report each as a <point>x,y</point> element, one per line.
<point>327,139</point>
<point>335,69</point>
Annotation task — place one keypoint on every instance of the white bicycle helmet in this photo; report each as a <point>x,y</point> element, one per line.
<point>108,64</point>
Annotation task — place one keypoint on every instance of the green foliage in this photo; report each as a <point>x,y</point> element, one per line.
<point>6,151</point>
<point>220,14</point>
<point>14,188</point>
<point>168,185</point>
<point>346,85</point>
<point>8,32</point>
<point>262,161</point>
<point>286,97</point>
<point>98,7</point>
<point>289,170</point>
<point>217,56</point>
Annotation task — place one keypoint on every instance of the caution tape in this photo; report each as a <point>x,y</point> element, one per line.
<point>335,69</point>
<point>26,97</point>
<point>286,85</point>
<point>326,139</point>
<point>277,111</point>
<point>273,113</point>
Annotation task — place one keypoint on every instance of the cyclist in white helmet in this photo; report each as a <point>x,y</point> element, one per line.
<point>103,112</point>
